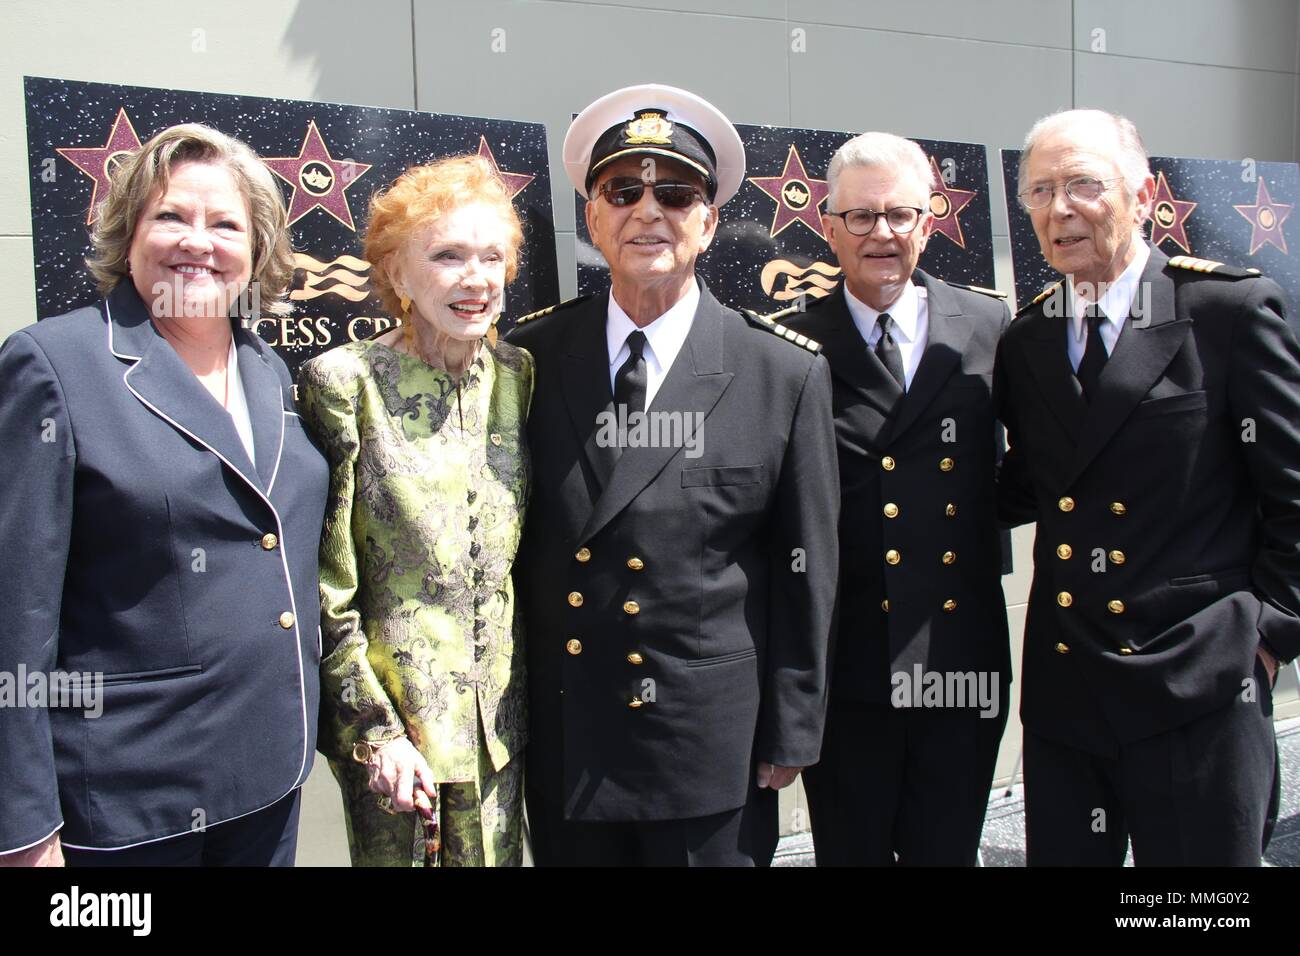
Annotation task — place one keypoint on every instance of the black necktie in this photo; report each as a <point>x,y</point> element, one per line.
<point>887,350</point>
<point>630,382</point>
<point>1094,353</point>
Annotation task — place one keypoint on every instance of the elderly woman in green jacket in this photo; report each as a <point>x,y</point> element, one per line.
<point>423,667</point>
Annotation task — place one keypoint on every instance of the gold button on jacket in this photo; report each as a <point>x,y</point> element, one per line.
<point>1117,557</point>
<point>891,510</point>
<point>575,599</point>
<point>635,702</point>
<point>950,510</point>
<point>950,605</point>
<point>635,563</point>
<point>583,555</point>
<point>1064,551</point>
<point>1062,648</point>
<point>631,607</point>
<point>1118,507</point>
<point>884,605</point>
<point>1115,607</point>
<point>892,556</point>
<point>286,620</point>
<point>1065,599</point>
<point>949,557</point>
<point>269,541</point>
<point>635,658</point>
<point>1066,503</point>
<point>887,463</point>
<point>574,646</point>
<point>946,464</point>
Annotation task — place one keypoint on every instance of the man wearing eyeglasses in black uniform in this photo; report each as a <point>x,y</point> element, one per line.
<point>921,665</point>
<point>1152,407</point>
<point>677,573</point>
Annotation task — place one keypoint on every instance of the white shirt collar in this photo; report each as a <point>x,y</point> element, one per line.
<point>905,312</point>
<point>1117,299</point>
<point>665,336</point>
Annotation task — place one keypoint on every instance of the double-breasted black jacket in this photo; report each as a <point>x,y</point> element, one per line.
<point>677,600</point>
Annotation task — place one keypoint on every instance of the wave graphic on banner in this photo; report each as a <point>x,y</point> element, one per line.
<point>346,276</point>
<point>785,281</point>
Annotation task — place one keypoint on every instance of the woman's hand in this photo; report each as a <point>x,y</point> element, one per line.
<point>395,769</point>
<point>49,852</point>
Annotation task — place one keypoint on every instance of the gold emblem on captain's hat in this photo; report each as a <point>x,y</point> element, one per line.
<point>649,127</point>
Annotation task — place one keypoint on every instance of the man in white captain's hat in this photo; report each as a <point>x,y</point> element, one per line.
<point>677,573</point>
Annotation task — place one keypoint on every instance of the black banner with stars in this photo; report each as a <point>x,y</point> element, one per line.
<point>770,248</point>
<point>330,159</point>
<point>1233,211</point>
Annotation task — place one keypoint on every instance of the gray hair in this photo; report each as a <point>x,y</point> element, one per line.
<point>1132,156</point>
<point>884,151</point>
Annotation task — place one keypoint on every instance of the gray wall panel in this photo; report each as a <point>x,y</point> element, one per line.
<point>926,86</point>
<point>1033,22</point>
<point>1183,110</point>
<point>1257,34</point>
<point>558,57</point>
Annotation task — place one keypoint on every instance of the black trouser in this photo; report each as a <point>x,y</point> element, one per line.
<point>1197,795</point>
<point>911,782</point>
<point>746,836</point>
<point>267,837</point>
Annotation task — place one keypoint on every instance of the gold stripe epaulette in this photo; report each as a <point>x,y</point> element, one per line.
<point>549,309</point>
<point>979,288</point>
<point>776,328</point>
<point>1039,298</point>
<point>1211,267</point>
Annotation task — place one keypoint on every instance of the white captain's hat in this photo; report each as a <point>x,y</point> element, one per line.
<point>656,120</point>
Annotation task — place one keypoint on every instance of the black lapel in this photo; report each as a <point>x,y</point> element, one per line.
<point>947,338</point>
<point>1045,331</point>
<point>850,359</point>
<point>584,380</point>
<point>1151,336</point>
<point>164,383</point>
<point>694,384</point>
<point>266,404</point>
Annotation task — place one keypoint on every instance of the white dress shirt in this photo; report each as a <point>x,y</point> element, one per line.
<point>1116,303</point>
<point>911,328</point>
<point>237,402</point>
<point>665,337</point>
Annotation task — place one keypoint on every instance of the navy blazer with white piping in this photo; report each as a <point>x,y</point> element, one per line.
<point>141,544</point>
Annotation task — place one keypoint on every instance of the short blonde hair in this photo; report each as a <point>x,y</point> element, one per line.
<point>147,172</point>
<point>418,197</point>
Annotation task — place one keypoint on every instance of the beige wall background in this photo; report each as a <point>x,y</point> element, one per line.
<point>1209,78</point>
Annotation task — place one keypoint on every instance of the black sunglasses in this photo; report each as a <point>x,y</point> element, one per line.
<point>628,190</point>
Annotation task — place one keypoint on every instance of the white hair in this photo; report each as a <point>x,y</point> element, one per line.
<point>900,156</point>
<point>1131,158</point>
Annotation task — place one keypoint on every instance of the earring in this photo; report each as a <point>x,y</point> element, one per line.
<point>408,334</point>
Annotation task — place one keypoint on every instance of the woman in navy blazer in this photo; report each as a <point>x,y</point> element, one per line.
<point>161,512</point>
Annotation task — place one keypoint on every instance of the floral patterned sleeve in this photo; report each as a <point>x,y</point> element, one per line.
<point>354,705</point>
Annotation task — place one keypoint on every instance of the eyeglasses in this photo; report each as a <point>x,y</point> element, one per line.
<point>861,222</point>
<point>628,190</point>
<point>1080,189</point>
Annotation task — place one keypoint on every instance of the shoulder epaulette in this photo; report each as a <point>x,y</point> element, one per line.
<point>979,288</point>
<point>1212,267</point>
<point>552,308</point>
<point>769,323</point>
<point>1038,298</point>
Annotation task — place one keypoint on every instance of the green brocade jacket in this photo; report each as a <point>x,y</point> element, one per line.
<point>420,630</point>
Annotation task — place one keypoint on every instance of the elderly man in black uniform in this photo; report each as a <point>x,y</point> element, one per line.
<point>1153,415</point>
<point>677,574</point>
<point>921,663</point>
